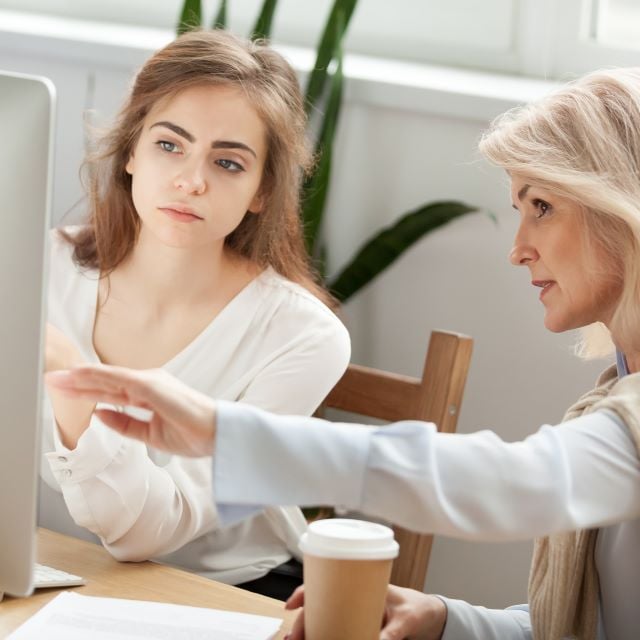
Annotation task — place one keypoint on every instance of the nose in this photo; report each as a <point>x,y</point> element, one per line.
<point>191,179</point>
<point>523,252</point>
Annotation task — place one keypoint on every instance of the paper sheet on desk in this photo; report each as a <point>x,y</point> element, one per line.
<point>71,616</point>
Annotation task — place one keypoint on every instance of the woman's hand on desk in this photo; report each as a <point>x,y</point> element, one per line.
<point>412,614</point>
<point>409,615</point>
<point>183,420</point>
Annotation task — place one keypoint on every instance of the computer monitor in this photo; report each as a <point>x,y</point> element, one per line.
<point>26,157</point>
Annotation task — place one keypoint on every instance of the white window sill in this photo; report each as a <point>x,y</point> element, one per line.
<point>375,81</point>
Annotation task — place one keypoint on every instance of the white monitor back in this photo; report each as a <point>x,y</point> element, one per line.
<point>26,151</point>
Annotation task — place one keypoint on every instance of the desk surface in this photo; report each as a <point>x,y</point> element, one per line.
<point>137,581</point>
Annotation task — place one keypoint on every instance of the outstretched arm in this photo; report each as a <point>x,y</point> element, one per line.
<point>523,489</point>
<point>182,420</point>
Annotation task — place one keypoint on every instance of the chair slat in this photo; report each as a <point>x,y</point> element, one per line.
<point>392,397</point>
<point>374,393</point>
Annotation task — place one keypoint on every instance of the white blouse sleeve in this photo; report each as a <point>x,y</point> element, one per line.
<point>299,380</point>
<point>472,486</point>
<point>137,508</point>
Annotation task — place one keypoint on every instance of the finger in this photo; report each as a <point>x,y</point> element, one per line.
<point>296,599</point>
<point>297,631</point>
<point>102,376</point>
<point>59,379</point>
<point>96,395</point>
<point>395,629</point>
<point>124,424</point>
<point>142,388</point>
<point>81,379</point>
<point>103,383</point>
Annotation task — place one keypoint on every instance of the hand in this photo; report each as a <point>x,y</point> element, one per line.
<point>60,352</point>
<point>412,615</point>
<point>295,601</point>
<point>183,422</point>
<point>409,615</point>
<point>72,415</point>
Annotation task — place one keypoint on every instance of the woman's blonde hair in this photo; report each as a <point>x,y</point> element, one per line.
<point>583,142</point>
<point>272,238</point>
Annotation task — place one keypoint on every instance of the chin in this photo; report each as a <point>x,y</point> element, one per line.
<point>557,325</point>
<point>560,325</point>
<point>178,238</point>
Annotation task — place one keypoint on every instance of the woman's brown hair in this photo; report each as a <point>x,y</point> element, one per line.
<point>272,238</point>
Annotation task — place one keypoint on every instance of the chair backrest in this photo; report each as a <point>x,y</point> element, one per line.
<point>436,397</point>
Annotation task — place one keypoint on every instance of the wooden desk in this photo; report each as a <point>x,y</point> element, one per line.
<point>137,581</point>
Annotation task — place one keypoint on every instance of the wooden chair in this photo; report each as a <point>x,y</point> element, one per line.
<point>392,397</point>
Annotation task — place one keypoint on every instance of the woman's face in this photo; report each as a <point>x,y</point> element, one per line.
<point>577,283</point>
<point>197,166</point>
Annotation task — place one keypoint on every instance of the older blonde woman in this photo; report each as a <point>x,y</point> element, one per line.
<point>574,164</point>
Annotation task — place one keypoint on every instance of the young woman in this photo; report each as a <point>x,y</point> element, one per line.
<point>192,261</point>
<point>574,163</point>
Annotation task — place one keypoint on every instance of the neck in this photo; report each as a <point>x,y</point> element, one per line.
<point>632,357</point>
<point>165,276</point>
<point>633,362</point>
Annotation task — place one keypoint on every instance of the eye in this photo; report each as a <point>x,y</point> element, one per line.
<point>169,147</point>
<point>542,208</point>
<point>229,165</point>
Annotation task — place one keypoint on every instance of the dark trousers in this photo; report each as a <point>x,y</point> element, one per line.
<point>279,583</point>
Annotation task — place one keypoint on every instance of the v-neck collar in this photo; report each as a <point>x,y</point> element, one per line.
<point>232,308</point>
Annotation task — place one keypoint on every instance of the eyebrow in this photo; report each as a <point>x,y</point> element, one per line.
<point>521,194</point>
<point>232,144</point>
<point>175,128</point>
<point>217,144</point>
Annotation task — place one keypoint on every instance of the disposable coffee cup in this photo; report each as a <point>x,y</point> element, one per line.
<point>347,565</point>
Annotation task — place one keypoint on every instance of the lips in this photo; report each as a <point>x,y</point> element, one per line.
<point>545,285</point>
<point>181,212</point>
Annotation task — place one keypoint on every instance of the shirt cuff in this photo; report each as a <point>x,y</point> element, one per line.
<point>465,620</point>
<point>96,449</point>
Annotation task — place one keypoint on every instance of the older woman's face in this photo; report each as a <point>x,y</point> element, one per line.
<point>550,242</point>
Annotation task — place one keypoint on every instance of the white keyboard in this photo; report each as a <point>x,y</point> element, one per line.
<point>45,577</point>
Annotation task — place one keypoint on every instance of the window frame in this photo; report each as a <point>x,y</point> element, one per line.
<point>550,39</point>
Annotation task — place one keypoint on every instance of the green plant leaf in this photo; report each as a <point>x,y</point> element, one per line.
<point>264,22</point>
<point>330,43</point>
<point>191,16</point>
<point>384,248</point>
<point>321,262</point>
<point>316,186</point>
<point>220,21</point>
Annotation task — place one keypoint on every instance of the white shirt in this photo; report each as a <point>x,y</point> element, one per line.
<point>584,473</point>
<point>275,346</point>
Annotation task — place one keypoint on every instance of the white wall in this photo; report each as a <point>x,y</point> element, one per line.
<point>393,154</point>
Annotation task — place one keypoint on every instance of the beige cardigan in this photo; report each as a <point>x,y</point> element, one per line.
<point>563,583</point>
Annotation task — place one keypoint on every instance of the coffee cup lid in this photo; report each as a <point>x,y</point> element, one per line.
<point>346,539</point>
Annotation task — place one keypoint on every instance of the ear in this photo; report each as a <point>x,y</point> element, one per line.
<point>257,204</point>
<point>130,166</point>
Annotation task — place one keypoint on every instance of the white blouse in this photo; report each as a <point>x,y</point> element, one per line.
<point>274,346</point>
